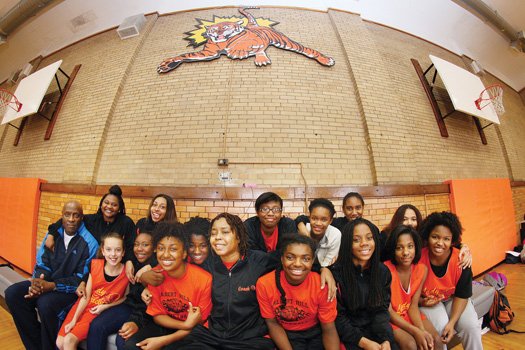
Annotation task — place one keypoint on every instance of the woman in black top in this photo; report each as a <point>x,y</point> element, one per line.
<point>110,217</point>
<point>363,296</point>
<point>161,208</point>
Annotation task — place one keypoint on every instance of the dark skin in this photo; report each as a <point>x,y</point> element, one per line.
<point>72,215</point>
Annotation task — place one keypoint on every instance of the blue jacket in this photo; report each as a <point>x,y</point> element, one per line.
<point>67,268</point>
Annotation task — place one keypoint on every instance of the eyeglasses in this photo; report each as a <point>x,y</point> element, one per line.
<point>142,245</point>
<point>266,210</point>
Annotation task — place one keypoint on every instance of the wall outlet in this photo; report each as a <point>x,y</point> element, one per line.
<point>225,176</point>
<point>222,162</point>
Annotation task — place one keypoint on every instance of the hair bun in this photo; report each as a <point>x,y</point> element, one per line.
<point>115,190</point>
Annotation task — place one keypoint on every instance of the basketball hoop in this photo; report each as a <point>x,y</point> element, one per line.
<point>492,94</point>
<point>7,99</point>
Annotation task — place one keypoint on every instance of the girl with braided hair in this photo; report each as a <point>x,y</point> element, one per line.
<point>297,314</point>
<point>363,293</point>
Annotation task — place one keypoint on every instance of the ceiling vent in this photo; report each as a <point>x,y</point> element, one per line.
<point>131,26</point>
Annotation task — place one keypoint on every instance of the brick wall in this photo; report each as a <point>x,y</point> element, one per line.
<point>364,121</point>
<point>379,210</point>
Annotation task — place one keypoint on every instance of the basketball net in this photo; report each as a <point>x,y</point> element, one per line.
<point>491,95</point>
<point>7,99</point>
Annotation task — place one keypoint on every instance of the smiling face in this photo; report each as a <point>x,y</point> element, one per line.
<point>143,247</point>
<point>158,209</point>
<point>320,219</point>
<point>297,261</point>
<point>113,250</point>
<point>363,245</point>
<point>110,207</point>
<point>405,250</point>
<point>353,208</point>
<point>198,248</point>
<point>224,241</point>
<point>269,214</point>
<point>440,243</point>
<point>171,256</point>
<point>410,218</point>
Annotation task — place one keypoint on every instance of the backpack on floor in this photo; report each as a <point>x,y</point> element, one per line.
<point>500,315</point>
<point>496,280</point>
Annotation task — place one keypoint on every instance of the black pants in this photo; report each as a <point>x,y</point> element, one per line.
<point>201,338</point>
<point>309,339</point>
<point>52,308</point>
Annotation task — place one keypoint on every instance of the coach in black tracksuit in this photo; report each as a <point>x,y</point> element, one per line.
<point>235,321</point>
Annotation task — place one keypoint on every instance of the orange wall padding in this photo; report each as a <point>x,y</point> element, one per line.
<point>486,211</point>
<point>18,220</point>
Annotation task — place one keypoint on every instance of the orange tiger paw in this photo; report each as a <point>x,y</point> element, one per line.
<point>168,65</point>
<point>262,60</point>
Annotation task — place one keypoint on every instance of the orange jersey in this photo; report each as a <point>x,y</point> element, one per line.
<point>306,304</point>
<point>102,292</point>
<point>271,241</point>
<point>441,288</point>
<point>174,295</point>
<point>401,298</point>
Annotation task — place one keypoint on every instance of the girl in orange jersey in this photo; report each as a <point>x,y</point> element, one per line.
<point>107,286</point>
<point>409,215</point>
<point>297,314</point>
<point>182,300</point>
<point>448,288</point>
<point>403,251</point>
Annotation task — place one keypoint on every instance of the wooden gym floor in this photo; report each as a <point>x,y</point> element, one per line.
<point>491,341</point>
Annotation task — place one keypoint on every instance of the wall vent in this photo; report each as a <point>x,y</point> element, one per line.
<point>131,26</point>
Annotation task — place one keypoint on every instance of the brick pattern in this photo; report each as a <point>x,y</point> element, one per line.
<point>365,121</point>
<point>378,210</point>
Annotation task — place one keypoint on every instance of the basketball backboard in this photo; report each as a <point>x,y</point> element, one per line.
<point>31,91</point>
<point>463,88</point>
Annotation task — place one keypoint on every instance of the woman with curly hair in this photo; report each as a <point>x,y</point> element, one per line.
<point>447,290</point>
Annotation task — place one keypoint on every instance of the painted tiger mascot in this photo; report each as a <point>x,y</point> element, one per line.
<point>238,42</point>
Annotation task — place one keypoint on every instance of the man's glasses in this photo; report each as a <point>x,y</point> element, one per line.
<point>266,210</point>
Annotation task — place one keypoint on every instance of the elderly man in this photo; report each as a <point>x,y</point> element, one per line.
<point>56,276</point>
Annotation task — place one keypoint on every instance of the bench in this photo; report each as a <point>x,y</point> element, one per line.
<point>8,276</point>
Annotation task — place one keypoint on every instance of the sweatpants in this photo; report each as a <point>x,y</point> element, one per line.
<point>52,308</point>
<point>201,338</point>
<point>308,339</point>
<point>467,327</point>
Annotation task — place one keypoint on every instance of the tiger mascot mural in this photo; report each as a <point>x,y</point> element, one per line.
<point>238,42</point>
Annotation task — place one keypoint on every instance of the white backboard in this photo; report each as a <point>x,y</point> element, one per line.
<point>31,91</point>
<point>463,88</point>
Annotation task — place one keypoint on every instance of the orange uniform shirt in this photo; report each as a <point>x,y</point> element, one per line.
<point>174,295</point>
<point>271,241</point>
<point>306,304</point>
<point>401,298</point>
<point>441,288</point>
<point>102,292</point>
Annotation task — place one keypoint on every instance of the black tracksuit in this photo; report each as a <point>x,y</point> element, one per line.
<point>255,238</point>
<point>235,321</point>
<point>371,323</point>
<point>98,227</point>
